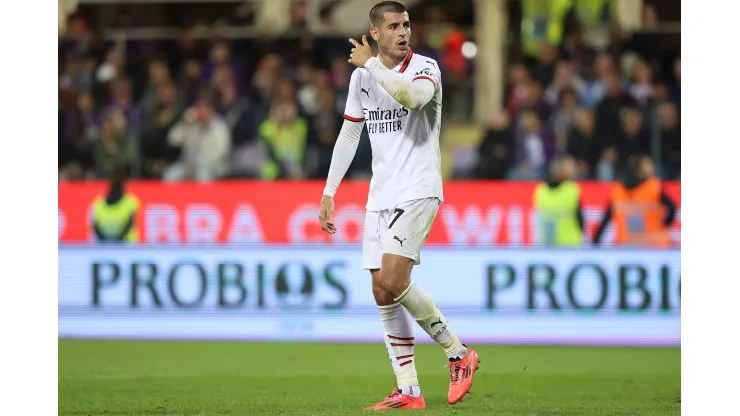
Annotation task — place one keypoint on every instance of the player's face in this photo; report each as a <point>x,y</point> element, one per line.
<point>394,34</point>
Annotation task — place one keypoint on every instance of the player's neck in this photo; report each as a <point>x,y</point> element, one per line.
<point>390,62</point>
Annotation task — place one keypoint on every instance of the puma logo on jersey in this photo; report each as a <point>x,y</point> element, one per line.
<point>399,240</point>
<point>366,91</point>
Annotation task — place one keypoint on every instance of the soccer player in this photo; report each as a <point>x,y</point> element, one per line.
<point>397,95</point>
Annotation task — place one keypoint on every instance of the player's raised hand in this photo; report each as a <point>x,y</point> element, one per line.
<point>325,212</point>
<point>360,53</point>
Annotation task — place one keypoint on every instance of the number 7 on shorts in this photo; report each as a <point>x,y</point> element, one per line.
<point>398,212</point>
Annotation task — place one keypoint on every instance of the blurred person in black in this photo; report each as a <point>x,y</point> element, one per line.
<point>114,214</point>
<point>609,109</point>
<point>635,207</point>
<point>583,144</point>
<point>575,49</point>
<point>156,151</point>
<point>325,126</point>
<point>187,48</point>
<point>676,90</point>
<point>494,151</point>
<point>544,71</point>
<point>632,137</point>
<point>670,140</point>
<point>190,82</point>
<point>237,112</point>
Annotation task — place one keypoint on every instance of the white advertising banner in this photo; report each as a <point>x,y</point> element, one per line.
<point>547,296</point>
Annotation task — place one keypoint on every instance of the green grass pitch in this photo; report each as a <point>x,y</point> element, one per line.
<point>231,378</point>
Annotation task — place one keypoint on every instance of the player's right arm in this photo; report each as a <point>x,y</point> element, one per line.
<point>344,151</point>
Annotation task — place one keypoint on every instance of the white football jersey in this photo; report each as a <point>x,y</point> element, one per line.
<point>406,160</point>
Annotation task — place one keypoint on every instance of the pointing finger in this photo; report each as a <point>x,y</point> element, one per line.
<point>354,42</point>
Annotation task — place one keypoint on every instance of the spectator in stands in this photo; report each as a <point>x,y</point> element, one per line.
<point>78,74</point>
<point>326,123</point>
<point>596,77</point>
<point>285,137</point>
<point>608,112</point>
<point>159,73</point>
<point>264,80</point>
<point>607,169</point>
<point>122,99</point>
<point>533,147</point>
<point>544,71</point>
<point>285,91</point>
<point>633,138</point>
<point>156,150</point>
<point>641,89</point>
<point>670,140</point>
<point>222,65</point>
<point>564,117</point>
<point>517,88</point>
<point>205,142</point>
<point>190,81</point>
<point>111,68</point>
<point>583,143</point>
<point>564,78</point>
<point>115,147</point>
<point>308,93</point>
<point>84,123</point>
<point>494,151</point>
<point>533,101</point>
<point>237,112</point>
<point>676,93</point>
<point>575,49</point>
<point>339,80</point>
<point>186,50</point>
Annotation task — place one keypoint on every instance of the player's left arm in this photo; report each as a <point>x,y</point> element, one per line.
<point>414,94</point>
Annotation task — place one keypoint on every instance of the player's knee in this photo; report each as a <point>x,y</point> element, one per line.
<point>395,274</point>
<point>382,297</point>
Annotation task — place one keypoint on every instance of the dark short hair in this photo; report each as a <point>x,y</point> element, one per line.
<point>380,9</point>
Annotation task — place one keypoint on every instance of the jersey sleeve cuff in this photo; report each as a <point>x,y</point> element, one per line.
<point>355,119</point>
<point>427,78</point>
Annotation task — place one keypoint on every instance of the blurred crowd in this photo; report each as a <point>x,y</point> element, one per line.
<point>599,107</point>
<point>272,108</point>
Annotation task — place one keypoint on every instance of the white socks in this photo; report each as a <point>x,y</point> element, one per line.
<point>421,306</point>
<point>399,341</point>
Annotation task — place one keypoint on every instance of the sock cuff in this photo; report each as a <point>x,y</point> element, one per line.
<point>404,293</point>
<point>395,305</point>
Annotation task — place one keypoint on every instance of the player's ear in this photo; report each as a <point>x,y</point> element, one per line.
<point>374,33</point>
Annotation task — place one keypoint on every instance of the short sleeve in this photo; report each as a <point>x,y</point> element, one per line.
<point>353,107</point>
<point>428,70</point>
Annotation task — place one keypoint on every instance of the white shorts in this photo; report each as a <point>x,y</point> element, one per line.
<point>401,230</point>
